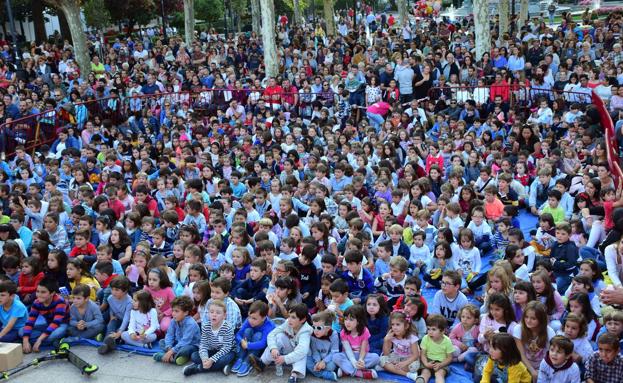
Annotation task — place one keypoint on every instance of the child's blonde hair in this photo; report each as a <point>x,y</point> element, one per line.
<point>395,228</point>
<point>614,315</point>
<point>400,263</point>
<point>500,272</point>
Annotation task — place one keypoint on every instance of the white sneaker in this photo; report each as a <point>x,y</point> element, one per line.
<point>339,373</point>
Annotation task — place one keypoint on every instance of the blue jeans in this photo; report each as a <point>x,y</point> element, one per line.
<point>39,328</point>
<point>89,333</point>
<point>113,325</point>
<point>562,282</point>
<point>186,351</point>
<point>376,120</point>
<point>11,336</point>
<point>219,364</point>
<point>323,374</point>
<point>470,358</point>
<point>251,336</point>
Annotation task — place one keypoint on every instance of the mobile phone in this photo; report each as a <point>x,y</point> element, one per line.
<point>63,290</point>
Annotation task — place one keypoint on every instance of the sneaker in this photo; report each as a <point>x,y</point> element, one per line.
<point>111,343</point>
<point>367,374</point>
<point>419,379</point>
<point>99,337</point>
<point>236,366</point>
<point>192,369</point>
<point>340,373</point>
<point>158,356</point>
<point>181,360</point>
<point>332,376</point>
<point>108,346</point>
<point>244,369</point>
<point>103,349</point>
<point>415,377</point>
<point>293,379</point>
<point>257,364</point>
<point>226,369</point>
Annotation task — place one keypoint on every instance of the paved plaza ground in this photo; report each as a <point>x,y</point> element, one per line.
<point>122,367</point>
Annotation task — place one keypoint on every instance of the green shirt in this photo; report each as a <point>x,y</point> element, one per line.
<point>558,213</point>
<point>437,352</point>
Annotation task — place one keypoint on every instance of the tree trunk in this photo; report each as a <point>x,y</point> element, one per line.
<point>504,12</point>
<point>256,17</point>
<point>481,23</point>
<point>38,21</point>
<point>329,16</point>
<point>189,21</point>
<point>402,12</point>
<point>297,12</point>
<point>70,11</point>
<point>269,39</point>
<point>523,13</point>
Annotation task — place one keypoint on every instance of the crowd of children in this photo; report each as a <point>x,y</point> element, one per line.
<point>244,227</point>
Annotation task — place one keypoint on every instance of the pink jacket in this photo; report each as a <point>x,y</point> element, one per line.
<point>163,299</point>
<point>457,333</point>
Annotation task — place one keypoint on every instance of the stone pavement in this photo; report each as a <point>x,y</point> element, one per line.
<point>122,367</point>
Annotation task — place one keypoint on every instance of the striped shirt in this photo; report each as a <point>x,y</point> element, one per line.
<point>55,314</point>
<point>222,340</point>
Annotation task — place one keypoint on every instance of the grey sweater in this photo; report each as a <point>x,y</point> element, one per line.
<point>120,309</point>
<point>92,316</point>
<point>324,348</point>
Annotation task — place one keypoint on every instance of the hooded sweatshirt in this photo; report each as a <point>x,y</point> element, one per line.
<point>569,372</point>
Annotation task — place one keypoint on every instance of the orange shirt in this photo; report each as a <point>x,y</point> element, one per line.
<point>494,210</point>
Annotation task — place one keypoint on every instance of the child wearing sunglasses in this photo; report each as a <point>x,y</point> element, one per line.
<point>323,344</point>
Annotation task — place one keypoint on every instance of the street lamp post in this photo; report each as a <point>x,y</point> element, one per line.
<point>9,12</point>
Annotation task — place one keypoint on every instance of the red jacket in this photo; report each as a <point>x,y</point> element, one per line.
<point>88,250</point>
<point>28,283</point>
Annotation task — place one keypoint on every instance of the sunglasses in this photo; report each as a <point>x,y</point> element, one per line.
<point>319,328</point>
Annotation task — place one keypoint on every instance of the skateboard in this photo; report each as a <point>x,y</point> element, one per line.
<point>62,352</point>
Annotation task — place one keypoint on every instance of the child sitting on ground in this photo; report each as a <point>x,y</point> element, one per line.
<point>437,349</point>
<point>216,345</point>
<point>182,335</point>
<point>85,317</point>
<point>252,337</point>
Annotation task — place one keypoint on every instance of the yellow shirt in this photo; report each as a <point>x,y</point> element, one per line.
<point>517,373</point>
<point>89,281</point>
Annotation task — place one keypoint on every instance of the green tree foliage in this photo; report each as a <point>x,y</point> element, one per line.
<point>95,15</point>
<point>208,10</point>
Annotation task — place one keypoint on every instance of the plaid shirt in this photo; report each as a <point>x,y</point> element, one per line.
<point>601,372</point>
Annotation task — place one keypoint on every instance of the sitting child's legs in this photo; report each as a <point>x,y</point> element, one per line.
<point>127,338</point>
<point>327,373</point>
<point>216,366</point>
<point>283,343</point>
<point>89,333</point>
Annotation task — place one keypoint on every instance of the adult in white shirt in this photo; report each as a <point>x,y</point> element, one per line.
<point>140,53</point>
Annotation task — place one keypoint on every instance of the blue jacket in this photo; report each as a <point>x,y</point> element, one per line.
<point>359,288</point>
<point>181,334</point>
<point>403,250</point>
<point>264,329</point>
<point>566,256</point>
<point>378,329</point>
<point>71,142</point>
<point>256,289</point>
